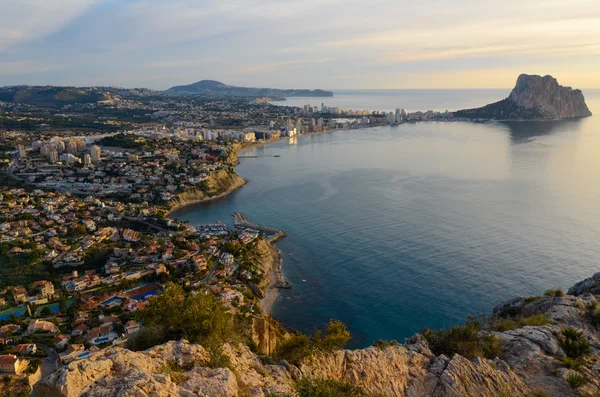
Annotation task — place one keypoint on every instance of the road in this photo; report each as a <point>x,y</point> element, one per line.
<point>50,363</point>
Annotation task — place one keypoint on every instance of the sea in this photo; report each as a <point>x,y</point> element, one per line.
<point>393,229</point>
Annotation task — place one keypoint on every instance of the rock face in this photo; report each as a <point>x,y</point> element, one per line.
<point>551,98</point>
<point>530,365</point>
<point>534,98</point>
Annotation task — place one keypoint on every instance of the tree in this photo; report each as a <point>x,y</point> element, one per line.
<point>45,312</point>
<point>198,318</point>
<point>336,336</point>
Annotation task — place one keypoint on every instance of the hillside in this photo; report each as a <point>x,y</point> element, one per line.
<point>207,87</point>
<point>530,347</point>
<point>53,96</point>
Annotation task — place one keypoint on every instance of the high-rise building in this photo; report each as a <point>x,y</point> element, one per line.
<point>53,156</point>
<point>87,160</point>
<point>299,126</point>
<point>80,145</point>
<point>69,158</point>
<point>397,117</point>
<point>95,153</point>
<point>72,146</point>
<point>21,149</point>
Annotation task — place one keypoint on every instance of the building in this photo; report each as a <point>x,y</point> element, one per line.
<point>40,325</point>
<point>69,158</point>
<point>10,364</point>
<point>53,156</point>
<point>20,294</point>
<point>249,137</point>
<point>95,153</point>
<point>133,157</point>
<point>132,327</point>
<point>25,348</point>
<point>87,160</point>
<point>45,288</point>
<point>21,149</point>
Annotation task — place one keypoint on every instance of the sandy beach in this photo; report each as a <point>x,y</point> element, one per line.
<point>274,277</point>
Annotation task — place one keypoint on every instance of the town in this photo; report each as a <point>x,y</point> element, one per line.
<point>86,241</point>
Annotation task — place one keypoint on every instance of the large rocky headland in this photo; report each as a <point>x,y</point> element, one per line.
<point>530,346</point>
<point>534,98</point>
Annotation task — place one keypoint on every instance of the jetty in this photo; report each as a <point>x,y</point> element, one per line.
<point>271,234</point>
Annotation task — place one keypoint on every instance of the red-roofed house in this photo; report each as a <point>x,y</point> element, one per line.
<point>25,348</point>
<point>10,364</point>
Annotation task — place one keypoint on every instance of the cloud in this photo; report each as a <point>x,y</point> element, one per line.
<point>25,20</point>
<point>24,67</point>
<point>264,67</point>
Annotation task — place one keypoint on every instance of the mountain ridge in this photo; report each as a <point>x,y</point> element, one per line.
<point>217,87</point>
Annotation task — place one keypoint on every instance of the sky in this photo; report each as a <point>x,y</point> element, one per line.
<point>328,44</point>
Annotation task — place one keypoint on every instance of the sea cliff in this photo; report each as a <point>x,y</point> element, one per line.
<point>534,98</point>
<point>546,346</point>
<point>218,184</point>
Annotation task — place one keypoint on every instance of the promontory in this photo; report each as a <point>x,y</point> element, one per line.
<point>534,98</point>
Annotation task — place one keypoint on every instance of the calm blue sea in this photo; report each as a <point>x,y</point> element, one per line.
<point>392,229</point>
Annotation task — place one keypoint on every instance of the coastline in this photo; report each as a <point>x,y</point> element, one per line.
<point>188,203</point>
<point>274,276</point>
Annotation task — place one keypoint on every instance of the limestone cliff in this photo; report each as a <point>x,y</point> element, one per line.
<point>218,184</point>
<point>533,363</point>
<point>534,98</point>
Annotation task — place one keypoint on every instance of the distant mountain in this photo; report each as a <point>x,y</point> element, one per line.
<point>534,98</point>
<point>212,87</point>
<point>51,96</point>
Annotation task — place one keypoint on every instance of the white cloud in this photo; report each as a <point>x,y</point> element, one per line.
<point>24,20</point>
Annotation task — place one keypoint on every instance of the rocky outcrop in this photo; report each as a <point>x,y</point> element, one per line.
<point>534,98</point>
<point>218,184</point>
<point>533,363</point>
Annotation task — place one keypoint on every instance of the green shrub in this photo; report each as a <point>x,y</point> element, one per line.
<point>574,343</point>
<point>199,318</point>
<point>576,380</point>
<point>502,324</point>
<point>382,344</point>
<point>328,388</point>
<point>335,336</point>
<point>492,347</point>
<point>300,346</point>
<point>570,363</point>
<point>465,340</point>
<point>294,349</point>
<point>554,292</point>
<point>177,373</point>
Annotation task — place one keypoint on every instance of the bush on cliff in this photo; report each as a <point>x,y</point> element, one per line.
<point>299,346</point>
<point>506,324</point>
<point>574,343</point>
<point>467,340</point>
<point>199,318</point>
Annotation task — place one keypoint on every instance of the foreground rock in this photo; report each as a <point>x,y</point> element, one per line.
<point>534,98</point>
<point>530,365</point>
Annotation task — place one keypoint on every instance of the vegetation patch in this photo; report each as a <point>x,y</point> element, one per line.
<point>502,324</point>
<point>574,343</point>
<point>299,346</point>
<point>177,372</point>
<point>469,341</point>
<point>576,380</point>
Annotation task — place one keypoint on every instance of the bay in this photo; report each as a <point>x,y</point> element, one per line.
<point>392,229</point>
